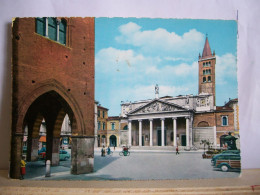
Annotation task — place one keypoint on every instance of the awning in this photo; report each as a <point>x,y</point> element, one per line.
<point>42,139</point>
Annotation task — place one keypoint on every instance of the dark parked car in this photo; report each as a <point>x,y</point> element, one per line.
<point>224,152</point>
<point>227,162</point>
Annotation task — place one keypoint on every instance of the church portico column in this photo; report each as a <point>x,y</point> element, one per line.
<point>140,132</point>
<point>174,131</point>
<point>162,128</point>
<point>187,131</point>
<point>151,132</point>
<point>129,133</point>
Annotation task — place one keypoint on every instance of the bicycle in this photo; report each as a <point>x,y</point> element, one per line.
<point>124,153</point>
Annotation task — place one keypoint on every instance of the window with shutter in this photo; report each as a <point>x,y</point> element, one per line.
<point>62,32</point>
<point>52,28</point>
<point>41,26</point>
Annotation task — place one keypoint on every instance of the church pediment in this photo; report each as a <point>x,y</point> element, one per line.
<point>157,107</point>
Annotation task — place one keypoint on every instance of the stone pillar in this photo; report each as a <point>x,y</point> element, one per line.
<point>129,133</point>
<point>96,141</point>
<point>58,29</point>
<point>119,135</point>
<point>46,27</point>
<point>174,131</point>
<point>108,141</point>
<point>34,149</point>
<point>191,131</point>
<point>140,132</point>
<point>29,148</point>
<point>82,155</point>
<point>215,135</point>
<point>119,139</point>
<point>162,128</point>
<point>187,132</point>
<point>55,158</point>
<point>151,132</point>
<point>16,155</point>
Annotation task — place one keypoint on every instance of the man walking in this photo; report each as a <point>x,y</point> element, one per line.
<point>177,150</point>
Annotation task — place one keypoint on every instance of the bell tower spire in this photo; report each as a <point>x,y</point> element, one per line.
<point>206,51</point>
<point>207,71</point>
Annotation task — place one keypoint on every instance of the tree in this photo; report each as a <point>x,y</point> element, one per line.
<point>206,143</point>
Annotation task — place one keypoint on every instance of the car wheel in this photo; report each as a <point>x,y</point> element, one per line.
<point>66,158</point>
<point>224,168</point>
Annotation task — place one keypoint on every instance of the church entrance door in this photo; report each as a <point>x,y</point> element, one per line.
<point>183,140</point>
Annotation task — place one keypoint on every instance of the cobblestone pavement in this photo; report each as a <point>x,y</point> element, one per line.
<point>137,166</point>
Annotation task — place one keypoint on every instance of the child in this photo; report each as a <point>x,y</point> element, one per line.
<point>23,170</point>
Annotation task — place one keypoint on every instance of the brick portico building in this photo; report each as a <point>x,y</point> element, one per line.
<point>53,75</point>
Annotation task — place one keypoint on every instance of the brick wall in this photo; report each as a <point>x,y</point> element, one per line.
<point>38,61</point>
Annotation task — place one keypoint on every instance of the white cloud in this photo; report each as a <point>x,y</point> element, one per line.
<point>140,68</point>
<point>226,68</point>
<point>160,40</point>
<point>111,59</point>
<point>184,69</point>
<point>177,59</point>
<point>129,28</point>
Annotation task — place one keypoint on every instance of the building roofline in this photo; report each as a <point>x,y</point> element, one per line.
<point>102,107</point>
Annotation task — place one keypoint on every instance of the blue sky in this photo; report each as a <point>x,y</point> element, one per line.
<point>134,54</point>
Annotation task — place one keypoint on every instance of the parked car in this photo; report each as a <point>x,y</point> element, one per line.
<point>227,161</point>
<point>224,152</point>
<point>64,155</point>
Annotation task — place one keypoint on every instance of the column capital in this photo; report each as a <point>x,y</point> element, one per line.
<point>129,120</point>
<point>174,118</point>
<point>150,119</point>
<point>162,119</point>
<point>187,117</point>
<point>140,120</point>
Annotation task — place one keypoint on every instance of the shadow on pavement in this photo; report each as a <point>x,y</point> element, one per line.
<point>101,162</point>
<point>37,168</point>
<point>86,177</point>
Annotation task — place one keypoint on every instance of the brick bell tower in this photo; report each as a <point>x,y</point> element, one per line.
<point>207,71</point>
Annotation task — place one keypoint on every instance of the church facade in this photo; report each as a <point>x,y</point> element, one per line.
<point>182,120</point>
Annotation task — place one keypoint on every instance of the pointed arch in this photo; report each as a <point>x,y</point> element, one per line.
<point>42,88</point>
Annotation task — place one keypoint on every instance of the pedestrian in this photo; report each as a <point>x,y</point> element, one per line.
<point>177,150</point>
<point>23,169</point>
<point>103,151</point>
<point>108,150</point>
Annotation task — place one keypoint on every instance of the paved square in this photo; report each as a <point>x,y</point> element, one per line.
<point>137,166</point>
